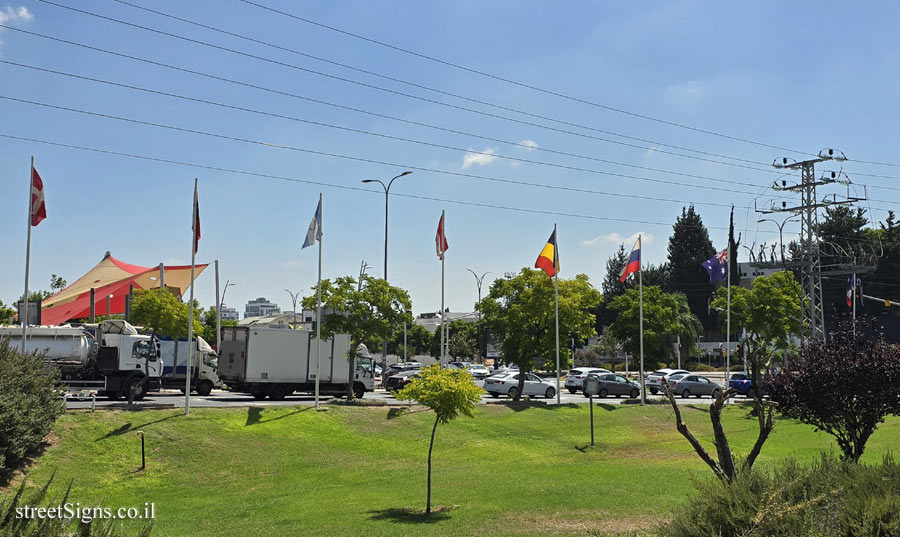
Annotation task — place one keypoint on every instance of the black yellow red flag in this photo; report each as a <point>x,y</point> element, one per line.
<point>548,261</point>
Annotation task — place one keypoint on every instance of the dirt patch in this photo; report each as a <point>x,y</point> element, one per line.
<point>578,522</point>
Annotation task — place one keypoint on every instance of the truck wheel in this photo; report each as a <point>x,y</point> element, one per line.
<point>358,390</point>
<point>140,388</point>
<point>278,392</point>
<point>204,388</point>
<point>259,396</point>
<point>112,396</point>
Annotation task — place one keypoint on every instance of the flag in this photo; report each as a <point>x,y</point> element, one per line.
<point>717,266</point>
<point>314,234</point>
<point>195,225</point>
<point>440,240</point>
<point>38,209</point>
<point>634,261</point>
<point>548,261</point>
<point>850,289</point>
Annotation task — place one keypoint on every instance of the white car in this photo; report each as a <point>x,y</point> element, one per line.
<point>508,385</point>
<point>654,380</point>
<point>575,377</point>
<point>478,371</point>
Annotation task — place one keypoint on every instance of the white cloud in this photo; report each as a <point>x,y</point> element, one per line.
<point>530,145</point>
<point>482,158</point>
<point>14,15</point>
<point>685,90</point>
<point>650,152</point>
<point>616,239</point>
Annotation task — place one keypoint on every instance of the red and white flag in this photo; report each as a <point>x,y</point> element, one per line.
<point>38,209</point>
<point>196,223</point>
<point>440,240</point>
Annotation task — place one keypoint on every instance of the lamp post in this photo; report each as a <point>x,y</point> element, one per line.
<point>478,281</point>
<point>294,297</point>
<point>387,190</point>
<point>780,231</point>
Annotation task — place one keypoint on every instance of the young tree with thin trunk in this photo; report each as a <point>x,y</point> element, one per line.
<point>449,392</point>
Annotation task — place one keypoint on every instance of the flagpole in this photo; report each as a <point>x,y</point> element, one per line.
<point>190,361</point>
<point>641,317</point>
<point>319,311</point>
<point>728,317</point>
<point>853,285</point>
<point>24,318</point>
<point>556,307</point>
<point>443,320</point>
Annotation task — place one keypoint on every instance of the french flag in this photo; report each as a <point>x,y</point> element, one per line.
<point>634,261</point>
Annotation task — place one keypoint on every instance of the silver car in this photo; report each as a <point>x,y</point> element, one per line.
<point>508,385</point>
<point>698,385</point>
<point>654,380</point>
<point>612,384</point>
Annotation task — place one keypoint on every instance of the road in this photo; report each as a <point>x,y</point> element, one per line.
<point>223,399</point>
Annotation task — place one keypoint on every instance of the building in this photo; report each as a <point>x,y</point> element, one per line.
<point>229,314</point>
<point>751,271</point>
<point>432,320</point>
<point>260,307</point>
<point>275,320</point>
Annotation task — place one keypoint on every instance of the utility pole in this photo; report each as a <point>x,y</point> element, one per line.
<point>810,258</point>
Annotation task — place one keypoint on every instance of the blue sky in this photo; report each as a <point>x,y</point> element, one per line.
<point>799,76</point>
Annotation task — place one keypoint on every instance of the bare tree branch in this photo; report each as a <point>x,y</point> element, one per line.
<point>685,432</point>
<point>765,427</point>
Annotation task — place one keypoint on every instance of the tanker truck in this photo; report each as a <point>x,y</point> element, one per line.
<point>111,355</point>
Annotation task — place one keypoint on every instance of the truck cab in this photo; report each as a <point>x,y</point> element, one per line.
<point>129,361</point>
<point>203,373</point>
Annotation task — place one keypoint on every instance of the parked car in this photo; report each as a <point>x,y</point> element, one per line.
<point>612,384</point>
<point>399,380</point>
<point>399,368</point>
<point>654,380</point>
<point>509,385</point>
<point>741,382</point>
<point>478,371</point>
<point>459,365</point>
<point>504,370</point>
<point>575,377</point>
<point>696,385</point>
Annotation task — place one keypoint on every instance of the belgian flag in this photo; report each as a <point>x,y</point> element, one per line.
<point>548,261</point>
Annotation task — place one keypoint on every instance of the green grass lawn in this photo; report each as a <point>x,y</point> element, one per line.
<point>353,470</point>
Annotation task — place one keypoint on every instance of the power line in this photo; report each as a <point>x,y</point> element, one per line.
<point>360,131</point>
<point>337,186</point>
<point>424,87</point>
<point>396,92</point>
<point>322,153</point>
<point>367,112</point>
<point>521,84</point>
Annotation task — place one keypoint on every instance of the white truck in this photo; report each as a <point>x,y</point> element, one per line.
<point>276,362</point>
<point>175,354</point>
<point>111,354</point>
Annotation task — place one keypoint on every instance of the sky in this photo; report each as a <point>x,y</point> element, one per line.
<point>603,118</point>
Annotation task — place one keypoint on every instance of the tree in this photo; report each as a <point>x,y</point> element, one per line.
<point>160,311</point>
<point>464,333</point>
<point>771,312</point>
<point>368,310</point>
<point>612,287</point>
<point>666,317</point>
<point>845,386</point>
<point>418,341</point>
<point>521,311</point>
<point>462,345</point>
<point>57,283</point>
<point>689,247</point>
<point>843,236</point>
<point>607,346</point>
<point>209,325</point>
<point>6,313</point>
<point>449,393</point>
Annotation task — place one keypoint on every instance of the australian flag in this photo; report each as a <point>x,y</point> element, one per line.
<point>717,266</point>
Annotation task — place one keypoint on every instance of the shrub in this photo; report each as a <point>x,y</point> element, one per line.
<point>29,403</point>
<point>827,498</point>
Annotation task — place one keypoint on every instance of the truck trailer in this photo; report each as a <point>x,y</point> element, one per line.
<point>174,354</point>
<point>276,362</point>
<point>110,354</point>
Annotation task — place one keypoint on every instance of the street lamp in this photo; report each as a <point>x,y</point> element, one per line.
<point>294,297</point>
<point>387,190</point>
<point>478,281</point>
<point>780,231</point>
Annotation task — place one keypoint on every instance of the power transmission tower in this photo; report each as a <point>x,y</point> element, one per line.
<point>810,262</point>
